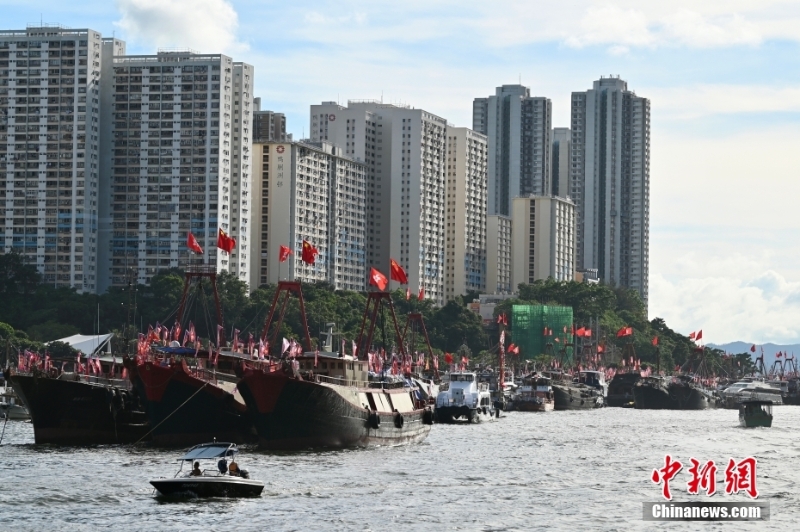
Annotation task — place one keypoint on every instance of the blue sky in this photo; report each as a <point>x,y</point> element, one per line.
<point>723,79</point>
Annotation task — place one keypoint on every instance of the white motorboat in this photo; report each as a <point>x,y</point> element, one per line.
<point>222,479</point>
<point>11,407</point>
<point>465,399</point>
<point>750,389</point>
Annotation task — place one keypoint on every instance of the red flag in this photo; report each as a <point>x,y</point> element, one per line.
<point>691,335</point>
<point>448,358</point>
<point>376,278</point>
<point>408,293</point>
<point>600,349</point>
<point>421,295</point>
<point>580,331</point>
<point>625,331</point>
<point>397,273</point>
<point>224,242</point>
<point>699,335</point>
<point>511,348</point>
<point>753,349</point>
<point>654,341</point>
<point>587,333</point>
<point>193,244</point>
<point>778,354</point>
<point>310,253</point>
<point>284,253</point>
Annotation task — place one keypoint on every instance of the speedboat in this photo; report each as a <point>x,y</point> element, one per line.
<point>222,479</point>
<point>750,389</point>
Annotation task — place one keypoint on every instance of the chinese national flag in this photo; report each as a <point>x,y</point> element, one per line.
<point>397,273</point>
<point>600,349</point>
<point>625,331</point>
<point>699,335</point>
<point>691,335</point>
<point>284,254</point>
<point>753,349</point>
<point>421,295</point>
<point>654,341</point>
<point>224,242</point>
<point>580,332</point>
<point>310,253</point>
<point>587,333</point>
<point>448,358</point>
<point>376,278</point>
<point>193,244</point>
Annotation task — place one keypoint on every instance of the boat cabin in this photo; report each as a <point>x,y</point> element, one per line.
<point>331,365</point>
<point>754,413</point>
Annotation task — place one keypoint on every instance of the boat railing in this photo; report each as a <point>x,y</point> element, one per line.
<point>341,381</point>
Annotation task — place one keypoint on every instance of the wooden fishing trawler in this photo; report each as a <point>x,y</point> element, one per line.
<point>75,408</point>
<point>190,395</point>
<point>620,389</point>
<point>326,400</point>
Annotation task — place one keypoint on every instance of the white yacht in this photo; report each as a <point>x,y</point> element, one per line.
<point>750,389</point>
<point>465,399</point>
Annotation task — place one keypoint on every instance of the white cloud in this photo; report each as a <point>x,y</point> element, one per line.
<point>729,307</point>
<point>207,26</point>
<point>693,101</point>
<point>612,25</point>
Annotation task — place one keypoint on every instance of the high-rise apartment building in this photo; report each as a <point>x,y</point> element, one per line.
<point>465,240</point>
<point>50,146</point>
<point>610,182</point>
<point>182,146</point>
<point>308,191</point>
<point>498,254</point>
<point>268,126</point>
<point>404,150</point>
<point>543,239</point>
<point>518,127</point>
<point>560,167</point>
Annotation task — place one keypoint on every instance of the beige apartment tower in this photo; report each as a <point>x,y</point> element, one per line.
<point>543,239</point>
<point>498,254</point>
<point>465,242</point>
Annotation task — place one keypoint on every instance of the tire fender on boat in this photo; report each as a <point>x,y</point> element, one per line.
<point>398,420</point>
<point>427,416</point>
<point>374,420</point>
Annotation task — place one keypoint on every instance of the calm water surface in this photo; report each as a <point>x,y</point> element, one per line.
<point>525,471</point>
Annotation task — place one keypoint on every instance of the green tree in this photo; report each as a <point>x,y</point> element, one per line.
<point>51,330</point>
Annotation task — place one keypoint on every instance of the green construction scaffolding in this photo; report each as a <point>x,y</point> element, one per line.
<point>528,324</point>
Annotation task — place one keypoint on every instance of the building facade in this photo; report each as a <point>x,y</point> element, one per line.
<point>519,129</point>
<point>498,254</point>
<point>404,151</point>
<point>309,191</point>
<point>610,182</point>
<point>560,167</point>
<point>465,240</point>
<point>543,239</point>
<point>50,146</point>
<point>268,126</point>
<point>181,125</point>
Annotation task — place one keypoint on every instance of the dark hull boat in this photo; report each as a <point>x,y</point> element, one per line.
<point>688,396</point>
<point>292,412</point>
<point>186,407</point>
<point>676,394</point>
<point>576,397</point>
<point>652,394</point>
<point>620,389</point>
<point>209,487</point>
<point>73,410</point>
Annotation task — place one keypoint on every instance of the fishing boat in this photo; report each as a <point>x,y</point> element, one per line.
<point>573,394</point>
<point>755,413</point>
<point>220,479</point>
<point>534,395</point>
<point>70,407</point>
<point>465,399</point>
<point>11,407</point>
<point>186,402</point>
<point>652,393</point>
<point>620,389</point>
<point>689,393</point>
<point>326,399</point>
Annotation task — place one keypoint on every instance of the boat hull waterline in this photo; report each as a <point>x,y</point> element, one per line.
<point>290,413</point>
